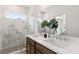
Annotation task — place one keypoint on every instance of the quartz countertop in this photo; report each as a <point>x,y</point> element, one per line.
<point>71,46</point>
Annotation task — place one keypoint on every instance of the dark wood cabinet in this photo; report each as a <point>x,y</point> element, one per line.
<point>30,46</point>
<point>30,49</point>
<point>33,47</point>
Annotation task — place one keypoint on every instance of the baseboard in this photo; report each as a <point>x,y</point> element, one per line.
<point>17,51</point>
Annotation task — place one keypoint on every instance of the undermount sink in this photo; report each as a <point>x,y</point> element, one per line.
<point>37,35</point>
<point>58,43</point>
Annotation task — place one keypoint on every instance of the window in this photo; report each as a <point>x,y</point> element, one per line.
<point>14,15</point>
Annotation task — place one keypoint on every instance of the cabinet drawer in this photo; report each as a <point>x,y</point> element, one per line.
<point>31,41</point>
<point>44,49</point>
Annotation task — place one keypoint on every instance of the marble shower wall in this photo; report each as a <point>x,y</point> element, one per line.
<point>13,31</point>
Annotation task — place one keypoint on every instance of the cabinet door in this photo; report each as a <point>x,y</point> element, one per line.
<point>43,49</point>
<point>38,52</point>
<point>30,49</point>
<point>27,47</point>
<point>30,46</point>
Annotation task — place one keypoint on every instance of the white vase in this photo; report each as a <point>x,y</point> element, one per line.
<point>53,31</point>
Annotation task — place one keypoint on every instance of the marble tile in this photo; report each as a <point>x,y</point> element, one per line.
<point>12,49</point>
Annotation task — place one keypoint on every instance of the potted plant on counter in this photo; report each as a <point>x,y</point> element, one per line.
<point>44,25</point>
<point>53,25</point>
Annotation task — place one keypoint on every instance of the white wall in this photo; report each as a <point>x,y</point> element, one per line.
<point>33,15</point>
<point>72,14</point>
<point>0,31</point>
<point>0,11</point>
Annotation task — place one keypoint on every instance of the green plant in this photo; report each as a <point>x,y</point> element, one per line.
<point>53,23</point>
<point>44,23</point>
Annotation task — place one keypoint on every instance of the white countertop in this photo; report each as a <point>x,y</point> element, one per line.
<point>69,47</point>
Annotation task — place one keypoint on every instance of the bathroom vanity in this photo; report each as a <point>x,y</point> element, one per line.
<point>32,47</point>
<point>36,44</point>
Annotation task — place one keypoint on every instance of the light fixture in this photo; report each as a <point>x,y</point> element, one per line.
<point>43,9</point>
